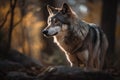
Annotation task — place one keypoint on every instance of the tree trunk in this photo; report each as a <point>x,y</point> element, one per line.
<point>108,23</point>
<point>12,8</point>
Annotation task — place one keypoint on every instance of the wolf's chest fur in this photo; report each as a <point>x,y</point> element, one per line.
<point>67,41</point>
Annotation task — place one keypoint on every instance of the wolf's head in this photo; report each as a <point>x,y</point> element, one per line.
<point>59,19</point>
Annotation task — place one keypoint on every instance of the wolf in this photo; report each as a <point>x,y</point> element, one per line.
<point>84,44</point>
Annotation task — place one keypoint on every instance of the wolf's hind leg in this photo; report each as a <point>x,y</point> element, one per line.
<point>97,61</point>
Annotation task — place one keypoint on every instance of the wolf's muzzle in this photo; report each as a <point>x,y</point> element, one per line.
<point>47,33</point>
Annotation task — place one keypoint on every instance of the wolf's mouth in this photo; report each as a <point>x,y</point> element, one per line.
<point>55,34</point>
<point>48,35</point>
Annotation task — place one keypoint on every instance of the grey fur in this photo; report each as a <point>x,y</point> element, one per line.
<point>84,44</point>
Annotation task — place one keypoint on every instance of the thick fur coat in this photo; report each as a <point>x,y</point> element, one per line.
<point>84,44</point>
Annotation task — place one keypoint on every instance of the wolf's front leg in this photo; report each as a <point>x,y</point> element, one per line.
<point>72,60</point>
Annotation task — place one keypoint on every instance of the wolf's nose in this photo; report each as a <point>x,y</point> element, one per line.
<point>44,31</point>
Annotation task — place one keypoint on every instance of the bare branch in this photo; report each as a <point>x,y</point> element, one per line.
<point>13,3</point>
<point>5,19</point>
<point>18,22</point>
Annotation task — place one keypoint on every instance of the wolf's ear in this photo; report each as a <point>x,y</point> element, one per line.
<point>66,8</point>
<point>50,9</point>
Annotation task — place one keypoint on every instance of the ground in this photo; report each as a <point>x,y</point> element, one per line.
<point>17,66</point>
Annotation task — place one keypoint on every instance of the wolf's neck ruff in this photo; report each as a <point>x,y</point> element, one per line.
<point>80,28</point>
<point>86,36</point>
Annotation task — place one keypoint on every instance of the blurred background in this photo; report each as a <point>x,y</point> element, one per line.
<point>21,23</point>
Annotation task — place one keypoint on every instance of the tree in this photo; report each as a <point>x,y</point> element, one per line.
<point>108,23</point>
<point>12,8</point>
